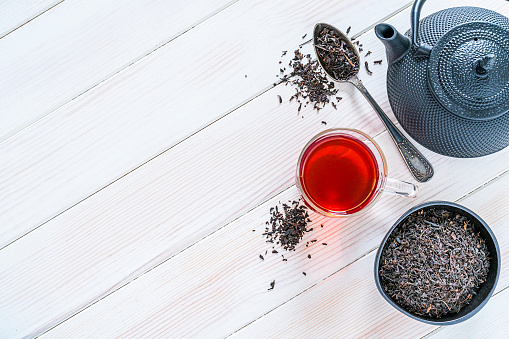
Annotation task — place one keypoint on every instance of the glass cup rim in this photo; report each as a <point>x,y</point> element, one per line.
<point>382,173</point>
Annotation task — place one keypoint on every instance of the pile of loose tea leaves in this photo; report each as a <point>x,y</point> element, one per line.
<point>312,85</point>
<point>337,55</point>
<point>434,263</point>
<point>287,227</point>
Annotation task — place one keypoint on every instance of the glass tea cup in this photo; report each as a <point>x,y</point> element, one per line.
<point>342,172</point>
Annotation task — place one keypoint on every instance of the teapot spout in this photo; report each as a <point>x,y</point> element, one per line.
<point>396,44</point>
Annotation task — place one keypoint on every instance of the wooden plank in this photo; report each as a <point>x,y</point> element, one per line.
<point>142,111</point>
<point>219,285</point>
<point>78,44</point>
<point>490,322</point>
<point>14,14</point>
<point>349,305</point>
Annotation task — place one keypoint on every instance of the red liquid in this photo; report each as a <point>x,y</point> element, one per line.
<point>339,173</point>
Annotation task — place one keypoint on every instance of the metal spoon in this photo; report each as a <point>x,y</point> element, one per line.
<point>418,165</point>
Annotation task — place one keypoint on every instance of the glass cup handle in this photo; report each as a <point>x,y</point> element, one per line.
<point>399,187</point>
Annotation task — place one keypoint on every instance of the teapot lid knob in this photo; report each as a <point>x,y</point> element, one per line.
<point>483,65</point>
<point>468,70</point>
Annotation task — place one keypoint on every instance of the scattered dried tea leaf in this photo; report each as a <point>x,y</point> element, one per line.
<point>287,227</point>
<point>312,85</point>
<point>367,68</point>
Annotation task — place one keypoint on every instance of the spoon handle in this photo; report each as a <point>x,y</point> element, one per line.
<point>418,165</point>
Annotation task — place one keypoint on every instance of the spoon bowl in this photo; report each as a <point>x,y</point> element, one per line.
<point>419,166</point>
<point>349,45</point>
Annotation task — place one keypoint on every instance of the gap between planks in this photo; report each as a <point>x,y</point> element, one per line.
<point>438,329</point>
<point>30,18</point>
<point>487,183</point>
<point>482,186</point>
<point>304,290</point>
<point>396,12</point>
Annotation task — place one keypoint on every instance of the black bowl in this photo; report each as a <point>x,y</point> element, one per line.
<point>486,290</point>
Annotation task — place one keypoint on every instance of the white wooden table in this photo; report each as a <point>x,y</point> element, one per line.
<point>141,143</point>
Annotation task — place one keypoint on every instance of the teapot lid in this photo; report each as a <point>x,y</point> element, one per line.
<point>468,70</point>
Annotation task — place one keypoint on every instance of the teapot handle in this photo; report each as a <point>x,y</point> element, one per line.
<point>421,49</point>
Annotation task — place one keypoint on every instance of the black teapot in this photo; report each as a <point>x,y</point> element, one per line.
<point>448,79</point>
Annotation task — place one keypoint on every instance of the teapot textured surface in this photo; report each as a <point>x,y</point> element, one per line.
<point>455,100</point>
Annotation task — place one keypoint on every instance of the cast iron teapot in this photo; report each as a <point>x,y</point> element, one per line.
<point>448,85</point>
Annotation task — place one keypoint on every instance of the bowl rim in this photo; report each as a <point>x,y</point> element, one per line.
<point>388,234</point>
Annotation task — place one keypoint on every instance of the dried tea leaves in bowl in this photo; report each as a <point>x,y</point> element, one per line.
<point>433,263</point>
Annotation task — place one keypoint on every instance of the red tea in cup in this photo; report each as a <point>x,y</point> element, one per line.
<point>342,171</point>
<point>339,173</point>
